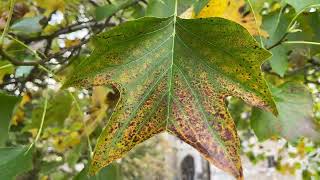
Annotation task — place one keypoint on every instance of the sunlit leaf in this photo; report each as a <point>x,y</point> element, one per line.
<point>295,120</point>
<point>50,5</point>
<point>233,10</point>
<point>180,73</point>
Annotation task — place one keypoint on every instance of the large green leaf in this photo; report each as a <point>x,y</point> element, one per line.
<point>7,104</point>
<point>14,161</point>
<point>300,5</point>
<point>295,120</point>
<point>174,75</point>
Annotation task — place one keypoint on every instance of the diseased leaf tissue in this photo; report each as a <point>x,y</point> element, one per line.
<point>174,75</point>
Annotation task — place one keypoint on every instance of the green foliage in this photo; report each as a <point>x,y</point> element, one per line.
<point>58,110</point>
<point>5,68</point>
<point>14,161</point>
<point>294,103</point>
<point>300,5</point>
<point>112,172</point>
<point>27,26</point>
<point>7,105</point>
<point>199,5</point>
<point>162,8</point>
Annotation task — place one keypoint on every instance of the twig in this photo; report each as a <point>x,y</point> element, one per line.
<point>42,122</point>
<point>7,22</point>
<point>17,62</point>
<point>281,40</point>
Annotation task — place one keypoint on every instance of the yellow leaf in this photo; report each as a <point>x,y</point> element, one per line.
<point>19,115</point>
<point>100,105</point>
<point>51,5</point>
<point>233,10</point>
<point>69,140</point>
<point>71,43</point>
<point>301,148</point>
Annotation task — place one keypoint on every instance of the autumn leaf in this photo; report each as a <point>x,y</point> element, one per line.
<point>233,10</point>
<point>181,71</point>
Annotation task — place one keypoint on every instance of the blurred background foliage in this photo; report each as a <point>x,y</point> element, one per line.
<point>45,39</point>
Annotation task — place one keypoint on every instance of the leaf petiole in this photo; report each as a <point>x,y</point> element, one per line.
<point>41,124</point>
<point>302,42</point>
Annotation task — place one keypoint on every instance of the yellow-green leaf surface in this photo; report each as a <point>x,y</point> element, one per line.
<point>174,75</point>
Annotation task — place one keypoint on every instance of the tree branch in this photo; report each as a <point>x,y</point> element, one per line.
<point>17,62</point>
<point>281,40</point>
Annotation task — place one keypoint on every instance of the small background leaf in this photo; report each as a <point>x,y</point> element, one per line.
<point>295,120</point>
<point>299,5</point>
<point>27,26</point>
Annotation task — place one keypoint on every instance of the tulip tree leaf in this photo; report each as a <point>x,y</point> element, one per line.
<point>294,103</point>
<point>174,75</point>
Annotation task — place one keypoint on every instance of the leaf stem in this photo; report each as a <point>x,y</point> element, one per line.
<point>302,42</point>
<point>5,66</point>
<point>289,30</point>
<point>84,124</point>
<point>36,53</point>
<point>5,30</point>
<point>256,22</point>
<point>281,40</point>
<point>42,122</point>
<point>299,13</point>
<point>77,105</point>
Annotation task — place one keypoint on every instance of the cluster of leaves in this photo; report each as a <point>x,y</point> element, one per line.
<point>170,70</point>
